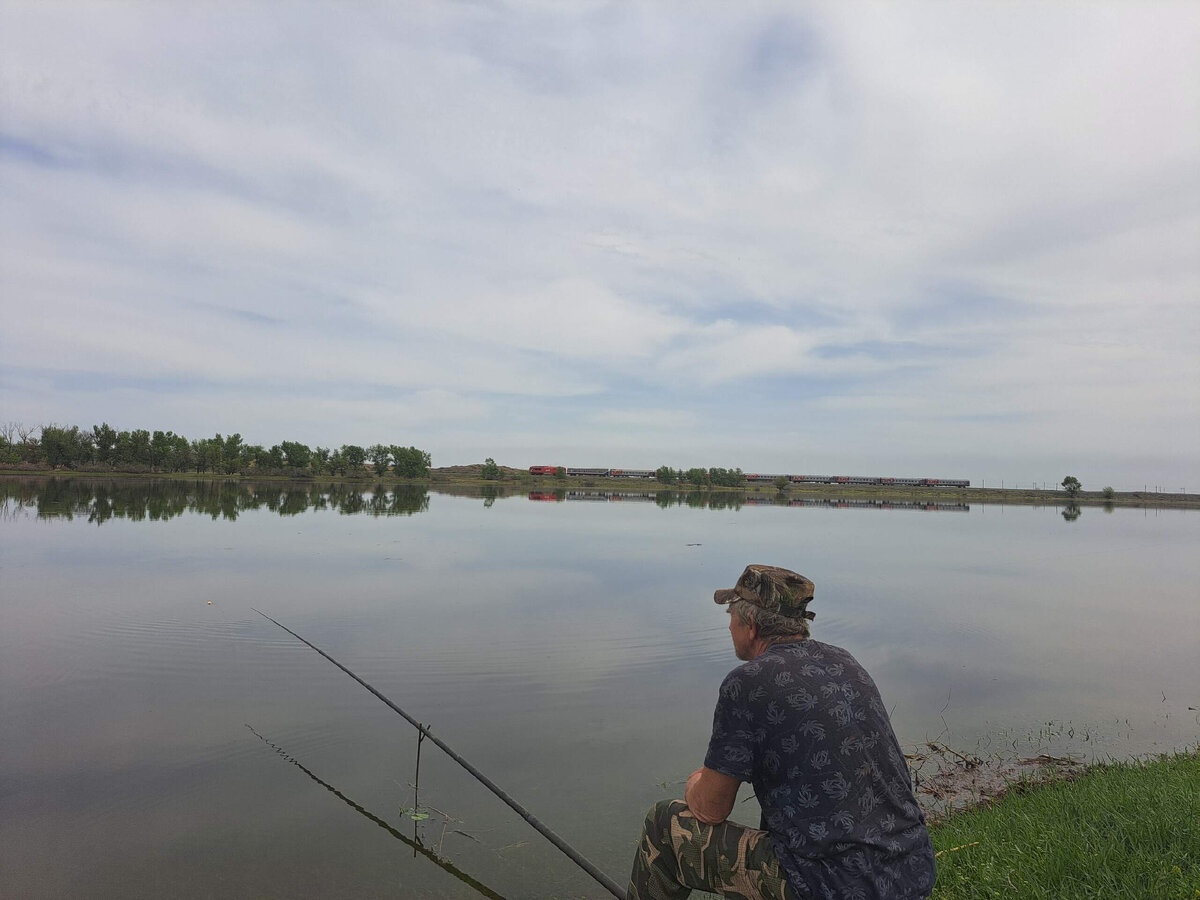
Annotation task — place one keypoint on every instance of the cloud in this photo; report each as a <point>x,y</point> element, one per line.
<point>611,224</point>
<point>570,317</point>
<point>670,420</point>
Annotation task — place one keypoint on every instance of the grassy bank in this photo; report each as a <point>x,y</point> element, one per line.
<point>1117,830</point>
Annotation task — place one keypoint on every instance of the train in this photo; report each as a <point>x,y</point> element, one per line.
<point>864,479</point>
<point>884,480</point>
<point>593,473</point>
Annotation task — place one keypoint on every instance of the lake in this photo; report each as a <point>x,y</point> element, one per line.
<point>162,739</point>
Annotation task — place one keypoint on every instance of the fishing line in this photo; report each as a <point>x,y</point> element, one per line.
<point>417,846</point>
<point>575,856</point>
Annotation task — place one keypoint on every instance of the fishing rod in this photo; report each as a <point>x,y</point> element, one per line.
<point>575,856</point>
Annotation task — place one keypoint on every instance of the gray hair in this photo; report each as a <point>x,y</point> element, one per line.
<point>771,625</point>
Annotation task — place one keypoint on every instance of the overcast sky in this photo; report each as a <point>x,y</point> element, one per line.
<point>959,240</point>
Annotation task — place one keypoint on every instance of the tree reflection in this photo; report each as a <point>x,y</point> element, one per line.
<point>99,501</point>
<point>1071,512</point>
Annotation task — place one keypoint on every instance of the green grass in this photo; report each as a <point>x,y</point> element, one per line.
<point>1119,830</point>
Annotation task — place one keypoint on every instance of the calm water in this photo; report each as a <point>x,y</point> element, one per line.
<point>571,650</point>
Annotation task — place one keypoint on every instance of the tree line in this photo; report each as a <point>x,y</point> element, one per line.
<point>700,477</point>
<point>141,450</point>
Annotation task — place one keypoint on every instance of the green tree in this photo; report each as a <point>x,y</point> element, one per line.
<point>179,456</point>
<point>698,477</point>
<point>104,440</point>
<point>252,457</point>
<point>231,453</point>
<point>726,477</point>
<point>410,462</point>
<point>380,456</point>
<point>490,470</point>
<point>122,452</point>
<point>337,463</point>
<point>214,453</point>
<point>139,447</point>
<point>274,458</point>
<point>1071,485</point>
<point>160,446</point>
<point>19,443</point>
<point>782,483</point>
<point>1108,492</point>
<point>27,445</point>
<point>298,455</point>
<point>320,460</point>
<point>8,448</point>
<point>65,446</point>
<point>354,457</point>
<point>560,473</point>
<point>200,455</point>
<point>667,475</point>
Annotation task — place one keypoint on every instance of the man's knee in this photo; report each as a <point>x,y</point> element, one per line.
<point>658,819</point>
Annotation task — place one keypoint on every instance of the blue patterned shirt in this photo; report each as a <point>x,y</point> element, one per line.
<point>803,723</point>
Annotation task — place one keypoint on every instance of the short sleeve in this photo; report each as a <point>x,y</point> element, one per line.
<point>731,747</point>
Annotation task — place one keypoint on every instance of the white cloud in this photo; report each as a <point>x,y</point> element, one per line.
<point>570,317</point>
<point>611,212</point>
<point>675,420</point>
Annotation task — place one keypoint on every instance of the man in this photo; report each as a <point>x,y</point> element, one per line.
<point>803,722</point>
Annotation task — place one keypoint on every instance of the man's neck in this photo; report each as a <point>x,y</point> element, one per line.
<point>762,645</point>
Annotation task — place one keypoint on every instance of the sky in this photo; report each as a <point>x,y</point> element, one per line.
<point>952,240</point>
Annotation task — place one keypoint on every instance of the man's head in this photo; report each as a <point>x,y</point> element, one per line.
<point>767,604</point>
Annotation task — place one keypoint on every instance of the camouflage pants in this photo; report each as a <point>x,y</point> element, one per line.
<point>679,853</point>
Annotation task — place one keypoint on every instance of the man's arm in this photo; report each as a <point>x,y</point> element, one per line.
<point>710,795</point>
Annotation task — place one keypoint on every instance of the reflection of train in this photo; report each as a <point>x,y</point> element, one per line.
<point>861,504</point>
<point>679,498</point>
<point>752,477</point>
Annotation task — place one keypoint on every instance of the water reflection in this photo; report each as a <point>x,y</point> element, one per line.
<point>99,501</point>
<point>724,500</point>
<point>416,843</point>
<point>1071,512</point>
<point>160,500</point>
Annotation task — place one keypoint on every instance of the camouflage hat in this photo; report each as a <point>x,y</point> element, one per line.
<point>772,588</point>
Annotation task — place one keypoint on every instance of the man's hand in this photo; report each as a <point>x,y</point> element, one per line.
<point>710,795</point>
